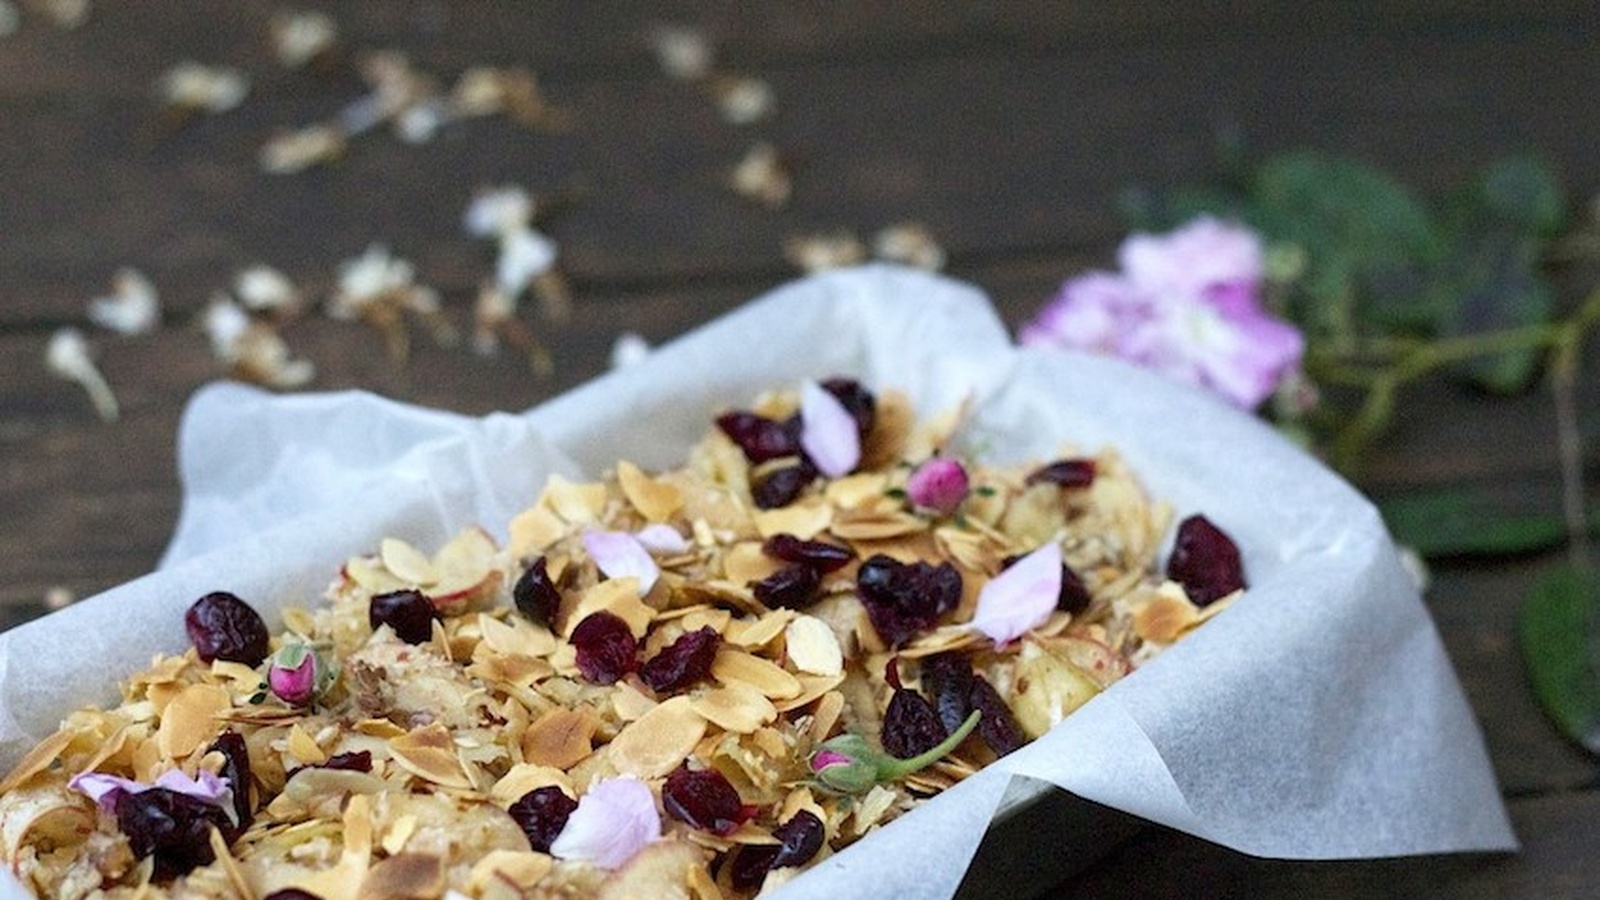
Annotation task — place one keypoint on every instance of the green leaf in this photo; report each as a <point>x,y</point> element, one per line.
<point>1468,520</point>
<point>1558,635</point>
<point>1522,193</point>
<point>1499,287</point>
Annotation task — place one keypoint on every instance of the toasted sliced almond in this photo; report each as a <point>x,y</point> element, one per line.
<point>811,687</point>
<point>812,647</point>
<point>192,718</point>
<point>533,530</point>
<point>805,519</point>
<point>577,503</point>
<point>517,637</point>
<point>618,596</point>
<point>736,707</point>
<point>406,562</point>
<point>36,760</point>
<point>405,876</point>
<point>560,738</point>
<point>753,634</point>
<point>525,777</point>
<point>655,500</point>
<point>521,868</point>
<point>659,740</point>
<point>745,562</point>
<point>826,717</point>
<point>430,754</point>
<point>736,666</point>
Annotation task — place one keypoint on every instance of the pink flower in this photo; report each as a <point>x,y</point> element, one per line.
<point>939,485</point>
<point>828,433</point>
<point>104,789</point>
<point>1185,304</point>
<point>1021,597</point>
<point>613,821</point>
<point>619,554</point>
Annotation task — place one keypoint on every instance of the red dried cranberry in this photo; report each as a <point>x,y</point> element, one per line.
<point>799,839</point>
<point>903,599</point>
<point>996,724</point>
<point>857,400</point>
<point>408,612</point>
<point>354,761</point>
<point>235,768</point>
<point>683,662</point>
<point>221,626</point>
<point>291,894</point>
<point>947,678</point>
<point>541,814</point>
<point>704,799</point>
<point>535,594</point>
<point>819,555</point>
<point>759,437</point>
<point>1069,473</point>
<point>173,828</point>
<point>910,725</point>
<point>781,486</point>
<point>1205,561</point>
<point>792,587</point>
<point>606,647</point>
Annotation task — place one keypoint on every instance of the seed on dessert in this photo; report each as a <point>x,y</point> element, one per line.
<point>819,555</point>
<point>792,587</point>
<point>221,626</point>
<point>1071,473</point>
<point>704,799</point>
<point>535,594</point>
<point>606,648</point>
<point>911,727</point>
<point>1205,561</point>
<point>683,662</point>
<point>799,840</point>
<point>410,613</point>
<point>541,814</point>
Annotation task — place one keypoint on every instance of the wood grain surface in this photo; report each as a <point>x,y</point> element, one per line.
<point>1007,129</point>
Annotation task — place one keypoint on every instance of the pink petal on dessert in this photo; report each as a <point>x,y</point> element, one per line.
<point>621,555</point>
<point>938,484</point>
<point>1021,597</point>
<point>661,538</point>
<point>828,433</point>
<point>613,821</point>
<point>103,788</point>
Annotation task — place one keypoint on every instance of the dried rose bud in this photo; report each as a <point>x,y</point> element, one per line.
<point>297,675</point>
<point>847,764</point>
<point>938,485</point>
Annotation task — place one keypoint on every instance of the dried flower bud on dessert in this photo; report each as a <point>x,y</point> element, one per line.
<point>691,682</point>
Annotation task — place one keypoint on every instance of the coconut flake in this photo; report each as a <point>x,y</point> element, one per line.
<point>622,555</point>
<point>613,821</point>
<point>828,433</point>
<point>1021,597</point>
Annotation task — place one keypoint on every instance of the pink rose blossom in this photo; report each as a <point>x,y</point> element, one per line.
<point>1185,304</point>
<point>939,485</point>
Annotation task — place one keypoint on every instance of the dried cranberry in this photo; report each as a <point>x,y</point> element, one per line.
<point>173,828</point>
<point>905,598</point>
<point>799,839</point>
<point>541,814</point>
<point>606,647</point>
<point>781,486</point>
<point>819,555</point>
<point>1069,473</point>
<point>856,400</point>
<point>235,768</point>
<point>948,678</point>
<point>535,594</point>
<point>704,799</point>
<point>910,725</point>
<point>1205,561</point>
<point>792,587</point>
<point>291,894</point>
<point>682,662</point>
<point>408,612</point>
<point>221,626</point>
<point>996,724</point>
<point>354,761</point>
<point>759,437</point>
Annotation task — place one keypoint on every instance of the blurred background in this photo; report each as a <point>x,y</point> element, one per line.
<point>677,159</point>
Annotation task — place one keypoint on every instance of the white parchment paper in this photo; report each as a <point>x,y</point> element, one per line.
<point>1317,718</point>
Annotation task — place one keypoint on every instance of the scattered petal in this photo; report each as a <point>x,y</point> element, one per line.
<point>828,431</point>
<point>132,308</point>
<point>68,356</point>
<point>1021,597</point>
<point>613,821</point>
<point>103,789</point>
<point>662,538</point>
<point>621,555</point>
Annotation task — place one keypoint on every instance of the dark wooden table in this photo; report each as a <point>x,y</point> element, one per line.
<point>1006,131</point>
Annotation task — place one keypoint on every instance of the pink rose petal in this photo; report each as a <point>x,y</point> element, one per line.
<point>621,555</point>
<point>828,432</point>
<point>660,538</point>
<point>613,821</point>
<point>1021,597</point>
<point>938,484</point>
<point>103,789</point>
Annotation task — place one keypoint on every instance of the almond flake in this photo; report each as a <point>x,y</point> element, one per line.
<point>304,748</point>
<point>406,562</point>
<point>876,526</point>
<point>525,777</point>
<point>754,635</point>
<point>36,760</point>
<point>430,754</point>
<point>519,637</point>
<point>395,837</point>
<point>811,687</point>
<point>560,738</point>
<point>523,869</point>
<point>618,596</point>
<point>829,706</point>
<point>1165,616</point>
<point>812,647</point>
<point>655,500</point>
<point>405,876</point>
<point>659,740</point>
<point>191,719</point>
<point>736,666</point>
<point>737,707</point>
<point>855,491</point>
<point>745,562</point>
<point>577,503</point>
<point>804,519</point>
<point>533,531</point>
